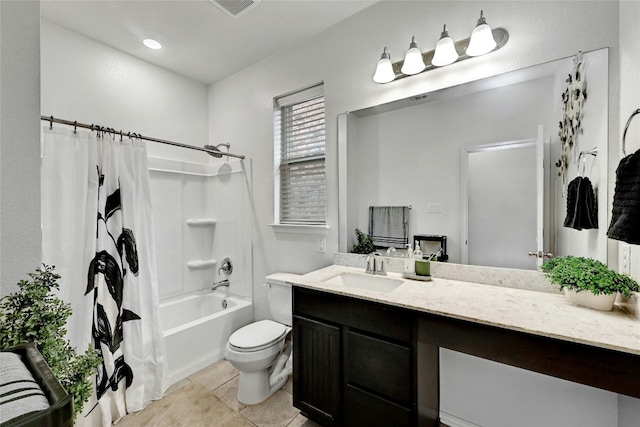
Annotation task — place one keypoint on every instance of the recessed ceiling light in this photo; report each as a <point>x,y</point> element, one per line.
<point>152,44</point>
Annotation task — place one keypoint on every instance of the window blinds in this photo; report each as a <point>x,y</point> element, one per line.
<point>300,128</point>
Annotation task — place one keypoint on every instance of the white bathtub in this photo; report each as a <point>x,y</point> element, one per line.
<point>197,328</point>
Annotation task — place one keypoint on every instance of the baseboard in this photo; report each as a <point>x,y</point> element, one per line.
<point>453,421</point>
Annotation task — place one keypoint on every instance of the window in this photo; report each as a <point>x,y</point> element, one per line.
<point>299,142</point>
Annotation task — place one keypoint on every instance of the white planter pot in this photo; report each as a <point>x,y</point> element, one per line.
<point>587,299</point>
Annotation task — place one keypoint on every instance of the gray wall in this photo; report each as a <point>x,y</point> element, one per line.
<point>20,236</point>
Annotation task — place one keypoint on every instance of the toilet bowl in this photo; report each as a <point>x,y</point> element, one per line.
<point>261,350</point>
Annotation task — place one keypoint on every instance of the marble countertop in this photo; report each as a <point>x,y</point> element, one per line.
<point>539,313</point>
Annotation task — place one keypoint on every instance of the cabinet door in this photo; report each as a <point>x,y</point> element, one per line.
<point>362,408</point>
<point>380,366</point>
<point>316,370</point>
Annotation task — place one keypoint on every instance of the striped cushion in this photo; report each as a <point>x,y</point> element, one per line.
<point>20,394</point>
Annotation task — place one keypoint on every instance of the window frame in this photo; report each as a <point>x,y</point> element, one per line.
<point>280,104</point>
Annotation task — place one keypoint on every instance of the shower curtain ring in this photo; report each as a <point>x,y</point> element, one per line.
<point>75,124</point>
<point>50,122</point>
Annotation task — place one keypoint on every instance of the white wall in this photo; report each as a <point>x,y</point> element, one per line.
<point>91,83</point>
<point>629,99</point>
<point>628,408</point>
<point>344,58</point>
<point>593,134</point>
<point>20,250</point>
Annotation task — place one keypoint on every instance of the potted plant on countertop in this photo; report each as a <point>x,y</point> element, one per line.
<point>588,282</point>
<point>364,244</point>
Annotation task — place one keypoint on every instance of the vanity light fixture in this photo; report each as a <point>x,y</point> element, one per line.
<point>384,70</point>
<point>483,40</point>
<point>413,62</point>
<point>445,50</point>
<point>152,44</point>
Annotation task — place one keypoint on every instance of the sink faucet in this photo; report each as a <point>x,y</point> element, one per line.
<point>216,285</point>
<point>372,265</point>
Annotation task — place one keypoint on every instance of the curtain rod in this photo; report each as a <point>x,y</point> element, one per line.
<point>212,151</point>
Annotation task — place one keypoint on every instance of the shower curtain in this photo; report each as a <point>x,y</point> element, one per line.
<point>97,232</point>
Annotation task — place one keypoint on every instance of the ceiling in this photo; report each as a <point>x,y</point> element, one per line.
<point>200,40</point>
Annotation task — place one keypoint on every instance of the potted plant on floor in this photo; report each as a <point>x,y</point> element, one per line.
<point>35,314</point>
<point>588,282</point>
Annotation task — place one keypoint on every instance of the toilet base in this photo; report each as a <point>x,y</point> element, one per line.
<point>255,387</point>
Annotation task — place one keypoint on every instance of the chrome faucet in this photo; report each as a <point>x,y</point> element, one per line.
<point>375,266</point>
<point>216,285</point>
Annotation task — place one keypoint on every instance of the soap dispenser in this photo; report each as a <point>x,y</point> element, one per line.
<point>417,253</point>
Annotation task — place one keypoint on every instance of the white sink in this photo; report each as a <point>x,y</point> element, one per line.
<point>365,281</point>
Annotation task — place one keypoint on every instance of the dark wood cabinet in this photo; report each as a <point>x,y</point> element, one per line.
<point>354,361</point>
<point>362,363</point>
<point>316,369</point>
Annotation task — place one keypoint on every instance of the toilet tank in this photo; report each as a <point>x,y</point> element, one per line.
<point>279,294</point>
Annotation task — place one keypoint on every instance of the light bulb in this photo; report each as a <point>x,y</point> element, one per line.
<point>152,44</point>
<point>481,39</point>
<point>384,71</point>
<point>445,50</point>
<point>413,63</point>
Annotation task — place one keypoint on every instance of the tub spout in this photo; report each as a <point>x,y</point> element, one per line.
<point>216,285</point>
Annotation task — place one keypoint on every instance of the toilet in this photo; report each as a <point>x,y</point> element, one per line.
<point>261,350</point>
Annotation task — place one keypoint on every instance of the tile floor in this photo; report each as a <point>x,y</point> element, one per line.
<point>208,398</point>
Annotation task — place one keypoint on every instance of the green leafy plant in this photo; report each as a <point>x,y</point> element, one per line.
<point>364,244</point>
<point>586,274</point>
<point>35,314</point>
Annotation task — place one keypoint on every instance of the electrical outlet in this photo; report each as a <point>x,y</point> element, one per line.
<point>322,245</point>
<point>624,258</point>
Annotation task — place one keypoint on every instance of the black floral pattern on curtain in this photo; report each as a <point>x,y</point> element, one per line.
<point>111,269</point>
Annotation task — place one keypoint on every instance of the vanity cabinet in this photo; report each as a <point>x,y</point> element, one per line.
<point>354,362</point>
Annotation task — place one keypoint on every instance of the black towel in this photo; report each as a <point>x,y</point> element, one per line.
<point>582,206</point>
<point>625,217</point>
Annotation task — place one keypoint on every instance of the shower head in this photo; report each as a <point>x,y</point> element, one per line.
<point>215,148</point>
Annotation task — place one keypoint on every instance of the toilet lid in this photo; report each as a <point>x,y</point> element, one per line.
<point>256,335</point>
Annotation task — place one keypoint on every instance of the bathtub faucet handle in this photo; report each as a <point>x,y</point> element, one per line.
<point>226,267</point>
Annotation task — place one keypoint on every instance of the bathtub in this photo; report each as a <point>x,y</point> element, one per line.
<point>197,328</point>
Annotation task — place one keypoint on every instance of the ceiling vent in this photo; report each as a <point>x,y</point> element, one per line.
<point>235,8</point>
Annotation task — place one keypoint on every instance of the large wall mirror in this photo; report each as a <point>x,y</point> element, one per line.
<point>477,163</point>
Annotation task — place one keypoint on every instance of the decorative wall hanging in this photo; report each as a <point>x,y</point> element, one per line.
<point>573,99</point>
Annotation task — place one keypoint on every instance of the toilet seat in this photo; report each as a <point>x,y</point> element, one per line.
<point>258,336</point>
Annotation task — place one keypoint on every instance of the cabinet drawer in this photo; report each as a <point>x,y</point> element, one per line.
<point>364,409</point>
<point>387,321</point>
<point>380,366</point>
